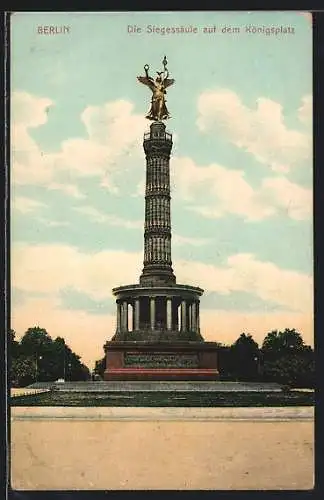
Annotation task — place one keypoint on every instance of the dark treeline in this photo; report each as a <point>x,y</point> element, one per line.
<point>282,358</point>
<point>39,358</point>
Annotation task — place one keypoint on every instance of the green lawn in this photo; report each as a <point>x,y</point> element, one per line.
<point>175,399</point>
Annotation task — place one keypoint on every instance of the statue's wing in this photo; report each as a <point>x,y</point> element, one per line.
<point>168,82</point>
<point>146,81</point>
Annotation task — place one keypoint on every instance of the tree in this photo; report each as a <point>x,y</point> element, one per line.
<point>38,344</point>
<point>293,369</point>
<point>22,371</point>
<point>226,363</point>
<point>83,372</point>
<point>271,343</point>
<point>50,359</point>
<point>69,364</point>
<point>287,360</point>
<point>291,339</point>
<point>100,367</point>
<point>277,343</point>
<point>245,358</point>
<point>36,340</point>
<point>14,345</point>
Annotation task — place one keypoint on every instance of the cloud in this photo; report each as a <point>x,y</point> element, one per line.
<point>226,191</point>
<point>293,199</point>
<point>99,155</point>
<point>26,205</point>
<point>177,239</point>
<point>305,111</point>
<point>114,138</point>
<point>140,189</point>
<point>243,272</point>
<point>261,131</point>
<point>114,133</point>
<point>108,183</point>
<point>112,220</point>
<point>115,125</point>
<point>107,146</point>
<point>30,165</point>
<point>29,111</point>
<point>51,268</point>
<point>69,189</point>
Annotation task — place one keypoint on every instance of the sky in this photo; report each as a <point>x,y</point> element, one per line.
<point>241,168</point>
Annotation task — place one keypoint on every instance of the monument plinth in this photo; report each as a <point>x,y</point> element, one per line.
<point>158,329</point>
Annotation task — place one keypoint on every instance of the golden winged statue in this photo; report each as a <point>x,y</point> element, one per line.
<point>158,109</point>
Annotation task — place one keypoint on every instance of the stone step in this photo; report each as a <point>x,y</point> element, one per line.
<point>148,386</point>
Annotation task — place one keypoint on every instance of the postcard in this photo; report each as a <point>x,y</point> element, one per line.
<point>161,251</point>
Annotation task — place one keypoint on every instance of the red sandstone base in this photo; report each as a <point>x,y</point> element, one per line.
<point>144,361</point>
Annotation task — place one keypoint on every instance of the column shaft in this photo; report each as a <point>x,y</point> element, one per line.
<point>198,317</point>
<point>169,314</point>
<point>118,316</point>
<point>152,312</point>
<point>136,314</point>
<point>183,316</point>
<point>194,317</point>
<point>189,317</point>
<point>125,316</point>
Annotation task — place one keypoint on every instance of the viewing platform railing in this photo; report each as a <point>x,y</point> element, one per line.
<point>165,136</point>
